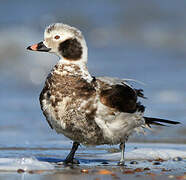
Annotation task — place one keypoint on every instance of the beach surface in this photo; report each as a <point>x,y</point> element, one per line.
<point>143,161</point>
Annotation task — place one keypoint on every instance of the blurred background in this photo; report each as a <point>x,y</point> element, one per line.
<point>143,40</point>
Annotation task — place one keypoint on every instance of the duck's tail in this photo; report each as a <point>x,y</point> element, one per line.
<point>158,121</point>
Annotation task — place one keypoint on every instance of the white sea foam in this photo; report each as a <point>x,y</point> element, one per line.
<point>148,154</point>
<point>13,164</point>
<point>167,152</point>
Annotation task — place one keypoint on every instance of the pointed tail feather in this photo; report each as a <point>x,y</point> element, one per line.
<point>158,121</point>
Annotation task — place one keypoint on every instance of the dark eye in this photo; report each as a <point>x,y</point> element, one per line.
<point>57,37</point>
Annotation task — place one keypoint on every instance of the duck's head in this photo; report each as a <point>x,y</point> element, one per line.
<point>63,40</point>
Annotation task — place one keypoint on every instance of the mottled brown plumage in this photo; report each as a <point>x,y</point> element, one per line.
<point>57,87</point>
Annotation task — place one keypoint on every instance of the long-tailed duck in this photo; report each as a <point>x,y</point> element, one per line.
<point>88,110</point>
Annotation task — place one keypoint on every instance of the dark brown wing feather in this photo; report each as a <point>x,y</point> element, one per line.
<point>121,97</point>
<point>139,93</point>
<point>158,121</point>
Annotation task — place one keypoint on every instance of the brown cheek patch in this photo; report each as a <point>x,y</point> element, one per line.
<point>71,49</point>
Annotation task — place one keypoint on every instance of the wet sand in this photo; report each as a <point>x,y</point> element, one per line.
<point>95,173</point>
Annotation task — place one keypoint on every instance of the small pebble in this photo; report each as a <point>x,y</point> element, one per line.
<point>114,175</point>
<point>128,172</point>
<point>20,170</point>
<point>104,172</point>
<point>170,176</point>
<point>151,174</point>
<point>37,172</point>
<point>146,169</point>
<point>166,170</point>
<point>133,162</point>
<point>177,159</point>
<point>84,170</point>
<point>31,172</point>
<point>104,162</point>
<point>138,170</point>
<point>160,160</point>
<point>156,163</point>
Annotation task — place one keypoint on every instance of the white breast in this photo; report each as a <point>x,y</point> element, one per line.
<point>54,115</point>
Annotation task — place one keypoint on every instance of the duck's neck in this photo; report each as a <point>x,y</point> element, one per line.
<point>73,68</point>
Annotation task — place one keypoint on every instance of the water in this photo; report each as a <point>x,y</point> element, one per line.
<point>48,158</point>
<point>144,41</point>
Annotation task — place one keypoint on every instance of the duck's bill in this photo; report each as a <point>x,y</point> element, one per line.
<point>39,47</point>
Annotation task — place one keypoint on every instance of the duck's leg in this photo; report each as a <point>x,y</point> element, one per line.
<point>70,158</point>
<point>122,160</point>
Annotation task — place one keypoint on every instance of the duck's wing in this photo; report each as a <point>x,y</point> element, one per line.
<point>119,95</point>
